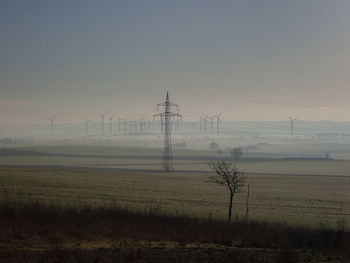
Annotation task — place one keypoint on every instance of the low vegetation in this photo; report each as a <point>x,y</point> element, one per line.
<point>72,231</point>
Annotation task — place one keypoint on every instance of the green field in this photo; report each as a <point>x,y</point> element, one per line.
<point>310,192</point>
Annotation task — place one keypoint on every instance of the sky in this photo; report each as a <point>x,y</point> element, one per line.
<point>249,59</point>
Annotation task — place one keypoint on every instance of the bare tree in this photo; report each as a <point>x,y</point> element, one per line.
<point>228,175</point>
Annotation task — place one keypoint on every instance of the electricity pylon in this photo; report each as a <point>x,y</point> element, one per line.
<point>167,115</point>
<point>291,124</point>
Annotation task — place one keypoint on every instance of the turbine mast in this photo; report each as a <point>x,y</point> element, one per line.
<point>102,122</point>
<point>292,124</point>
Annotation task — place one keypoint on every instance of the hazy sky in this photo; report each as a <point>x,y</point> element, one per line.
<point>251,60</point>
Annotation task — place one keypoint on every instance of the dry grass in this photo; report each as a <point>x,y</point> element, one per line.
<point>64,234</point>
<point>298,200</point>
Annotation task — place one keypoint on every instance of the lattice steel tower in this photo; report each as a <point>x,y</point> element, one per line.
<point>167,115</point>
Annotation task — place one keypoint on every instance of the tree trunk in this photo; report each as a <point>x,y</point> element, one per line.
<point>230,208</point>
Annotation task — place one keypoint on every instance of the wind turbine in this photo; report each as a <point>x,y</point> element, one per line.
<point>292,124</point>
<point>178,117</point>
<point>111,124</point>
<point>102,121</point>
<point>211,123</point>
<point>87,125</point>
<point>149,127</point>
<point>120,121</point>
<point>51,123</point>
<point>161,122</point>
<point>203,123</point>
<point>217,116</point>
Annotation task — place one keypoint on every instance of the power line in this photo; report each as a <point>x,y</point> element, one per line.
<point>197,95</point>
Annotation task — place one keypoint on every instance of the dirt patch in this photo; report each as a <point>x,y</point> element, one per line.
<point>142,251</point>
